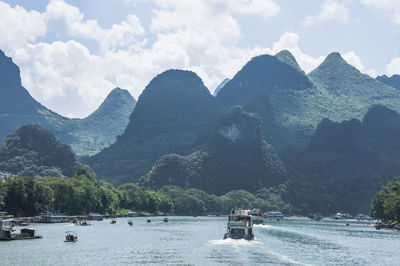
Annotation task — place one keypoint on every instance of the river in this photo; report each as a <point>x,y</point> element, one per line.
<point>198,241</point>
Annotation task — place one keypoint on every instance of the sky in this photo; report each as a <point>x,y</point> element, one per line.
<point>72,53</point>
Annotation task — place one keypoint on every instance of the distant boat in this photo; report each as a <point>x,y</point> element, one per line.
<point>113,221</point>
<point>130,222</point>
<point>165,220</point>
<point>274,215</point>
<point>148,221</point>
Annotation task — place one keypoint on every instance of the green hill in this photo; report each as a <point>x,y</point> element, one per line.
<point>346,163</point>
<point>86,136</point>
<point>174,111</point>
<point>235,157</point>
<point>34,151</point>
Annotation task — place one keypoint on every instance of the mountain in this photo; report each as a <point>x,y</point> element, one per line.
<point>291,104</point>
<point>346,163</point>
<point>34,151</point>
<point>393,81</point>
<point>86,136</point>
<point>172,114</point>
<point>351,92</point>
<point>235,157</point>
<point>91,134</point>
<point>220,86</point>
<point>281,93</point>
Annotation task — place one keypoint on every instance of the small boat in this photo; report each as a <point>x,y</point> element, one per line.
<point>148,221</point>
<point>113,221</point>
<point>82,223</point>
<point>165,220</point>
<point>71,236</point>
<point>130,222</point>
<point>240,225</point>
<point>277,215</point>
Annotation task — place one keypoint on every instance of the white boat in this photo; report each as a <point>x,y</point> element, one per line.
<point>240,225</point>
<point>274,215</point>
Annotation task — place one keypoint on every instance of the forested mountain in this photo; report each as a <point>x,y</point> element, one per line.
<point>235,157</point>
<point>346,163</point>
<point>292,104</point>
<point>86,136</point>
<point>34,151</point>
<point>393,81</point>
<point>174,111</point>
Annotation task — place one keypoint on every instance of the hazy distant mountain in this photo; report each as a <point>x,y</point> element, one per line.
<point>172,113</point>
<point>346,163</point>
<point>90,135</point>
<point>235,157</point>
<point>393,81</point>
<point>86,136</point>
<point>34,151</point>
<point>220,86</point>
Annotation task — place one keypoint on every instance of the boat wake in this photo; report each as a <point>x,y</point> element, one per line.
<point>234,242</point>
<point>264,226</point>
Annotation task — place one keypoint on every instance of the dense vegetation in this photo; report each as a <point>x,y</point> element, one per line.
<point>86,136</point>
<point>172,113</point>
<point>235,157</point>
<point>386,203</point>
<point>83,194</point>
<point>346,163</point>
<point>34,151</point>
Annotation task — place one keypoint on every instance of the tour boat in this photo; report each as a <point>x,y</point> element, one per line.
<point>240,225</point>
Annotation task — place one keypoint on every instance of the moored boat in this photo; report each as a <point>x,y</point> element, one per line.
<point>240,225</point>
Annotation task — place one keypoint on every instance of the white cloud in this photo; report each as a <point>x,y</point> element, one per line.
<point>202,36</point>
<point>65,18</point>
<point>330,10</point>
<point>264,8</point>
<point>353,59</point>
<point>392,7</point>
<point>393,67</point>
<point>18,26</point>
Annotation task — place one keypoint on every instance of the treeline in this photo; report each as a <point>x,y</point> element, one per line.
<point>386,203</point>
<point>82,194</point>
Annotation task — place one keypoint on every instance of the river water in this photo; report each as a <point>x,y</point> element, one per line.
<point>198,241</point>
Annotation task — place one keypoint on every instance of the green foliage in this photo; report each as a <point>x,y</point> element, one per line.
<point>34,151</point>
<point>346,163</point>
<point>386,203</point>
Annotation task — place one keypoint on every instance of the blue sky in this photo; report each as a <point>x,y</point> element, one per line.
<point>72,53</point>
